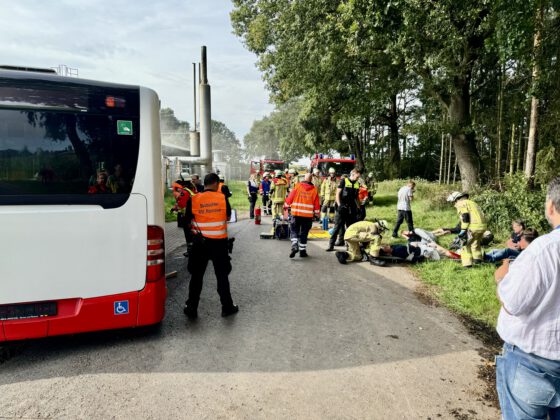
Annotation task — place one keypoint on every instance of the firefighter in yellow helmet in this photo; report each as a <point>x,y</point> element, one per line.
<point>363,235</point>
<point>278,192</point>
<point>328,193</point>
<point>317,181</point>
<point>471,227</point>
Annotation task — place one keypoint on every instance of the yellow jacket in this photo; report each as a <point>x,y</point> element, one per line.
<point>471,216</point>
<point>328,189</point>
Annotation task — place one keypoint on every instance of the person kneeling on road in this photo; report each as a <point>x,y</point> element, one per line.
<point>363,235</point>
<point>304,202</point>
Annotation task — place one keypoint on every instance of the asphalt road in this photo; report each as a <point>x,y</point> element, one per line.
<point>313,340</point>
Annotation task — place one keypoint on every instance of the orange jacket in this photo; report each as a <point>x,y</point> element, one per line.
<point>209,212</point>
<point>303,200</point>
<point>362,193</point>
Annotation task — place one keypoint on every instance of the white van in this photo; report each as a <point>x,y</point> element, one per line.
<point>81,206</point>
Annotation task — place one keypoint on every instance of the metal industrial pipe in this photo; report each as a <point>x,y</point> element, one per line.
<point>204,157</point>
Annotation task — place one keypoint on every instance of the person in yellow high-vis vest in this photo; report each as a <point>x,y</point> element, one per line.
<point>278,193</point>
<point>363,234</point>
<point>328,194</point>
<point>472,226</point>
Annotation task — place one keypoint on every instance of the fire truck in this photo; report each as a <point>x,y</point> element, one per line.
<point>341,165</point>
<point>267,165</point>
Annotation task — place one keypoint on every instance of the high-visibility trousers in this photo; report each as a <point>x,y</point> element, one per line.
<point>372,248</point>
<point>472,250</point>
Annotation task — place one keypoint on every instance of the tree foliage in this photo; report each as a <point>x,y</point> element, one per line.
<point>415,87</point>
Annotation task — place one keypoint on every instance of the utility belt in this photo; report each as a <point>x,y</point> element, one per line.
<point>201,240</point>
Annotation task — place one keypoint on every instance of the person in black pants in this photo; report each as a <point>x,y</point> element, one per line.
<point>206,215</point>
<point>252,192</point>
<point>404,210</point>
<point>347,208</point>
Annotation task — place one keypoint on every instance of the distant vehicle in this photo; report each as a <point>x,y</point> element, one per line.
<point>267,165</point>
<point>81,206</point>
<point>341,165</point>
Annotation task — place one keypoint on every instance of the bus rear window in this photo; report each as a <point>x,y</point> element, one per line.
<point>57,157</point>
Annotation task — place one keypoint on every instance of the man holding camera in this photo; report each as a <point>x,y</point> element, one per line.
<point>207,215</point>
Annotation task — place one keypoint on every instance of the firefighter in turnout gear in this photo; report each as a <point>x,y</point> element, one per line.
<point>278,192</point>
<point>317,181</point>
<point>304,203</point>
<point>207,215</point>
<point>363,235</point>
<point>472,226</point>
<point>328,194</point>
<point>293,180</point>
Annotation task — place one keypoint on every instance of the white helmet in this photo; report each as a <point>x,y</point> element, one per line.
<point>316,171</point>
<point>266,174</point>
<point>455,195</point>
<point>292,171</point>
<point>278,172</point>
<point>383,225</point>
<point>370,175</point>
<point>332,171</point>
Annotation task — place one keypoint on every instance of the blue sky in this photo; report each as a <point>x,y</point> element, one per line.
<point>145,42</point>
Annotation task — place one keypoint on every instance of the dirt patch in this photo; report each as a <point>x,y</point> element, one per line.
<point>426,294</point>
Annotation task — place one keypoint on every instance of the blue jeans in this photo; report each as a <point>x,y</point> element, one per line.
<point>500,254</point>
<point>528,386</point>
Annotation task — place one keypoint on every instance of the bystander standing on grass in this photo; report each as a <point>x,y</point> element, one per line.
<point>404,209</point>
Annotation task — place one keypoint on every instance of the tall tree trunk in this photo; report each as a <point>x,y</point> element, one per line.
<point>534,120</point>
<point>499,133</point>
<point>512,150</point>
<point>441,157</point>
<point>520,148</point>
<point>395,158</point>
<point>464,140</point>
<point>449,160</point>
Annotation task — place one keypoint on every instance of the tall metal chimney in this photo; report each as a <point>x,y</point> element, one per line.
<point>205,114</point>
<point>194,134</point>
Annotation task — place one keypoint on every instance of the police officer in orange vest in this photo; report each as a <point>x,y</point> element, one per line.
<point>207,214</point>
<point>304,202</point>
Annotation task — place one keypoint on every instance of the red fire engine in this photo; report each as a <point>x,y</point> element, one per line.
<point>267,165</point>
<point>341,165</point>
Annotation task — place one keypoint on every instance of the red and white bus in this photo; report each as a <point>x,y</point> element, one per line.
<point>81,206</point>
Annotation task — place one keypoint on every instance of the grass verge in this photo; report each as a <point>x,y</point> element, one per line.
<point>468,292</point>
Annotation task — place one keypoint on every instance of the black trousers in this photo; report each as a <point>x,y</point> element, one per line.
<point>344,217</point>
<point>403,215</point>
<point>266,204</point>
<point>299,230</point>
<point>204,250</point>
<point>252,201</point>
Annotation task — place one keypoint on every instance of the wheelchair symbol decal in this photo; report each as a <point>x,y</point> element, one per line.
<point>121,307</point>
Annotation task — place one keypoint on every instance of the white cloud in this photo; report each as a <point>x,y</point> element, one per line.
<point>141,42</point>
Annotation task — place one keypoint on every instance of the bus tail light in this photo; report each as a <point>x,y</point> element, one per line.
<point>155,259</point>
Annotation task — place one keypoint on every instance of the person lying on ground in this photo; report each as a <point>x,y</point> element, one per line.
<point>426,241</point>
<point>526,237</point>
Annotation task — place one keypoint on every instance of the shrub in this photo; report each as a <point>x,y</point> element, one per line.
<point>516,201</point>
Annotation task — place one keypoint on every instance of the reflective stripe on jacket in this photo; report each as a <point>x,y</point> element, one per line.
<point>209,211</point>
<point>303,200</point>
<point>328,189</point>
<point>475,219</point>
<point>278,190</point>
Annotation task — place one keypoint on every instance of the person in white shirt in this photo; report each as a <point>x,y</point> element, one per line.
<point>404,210</point>
<point>528,370</point>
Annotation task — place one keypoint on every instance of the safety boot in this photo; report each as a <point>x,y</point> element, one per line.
<point>330,248</point>
<point>339,243</point>
<point>294,251</point>
<point>342,257</point>
<point>303,253</point>
<point>229,310</point>
<point>190,312</point>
